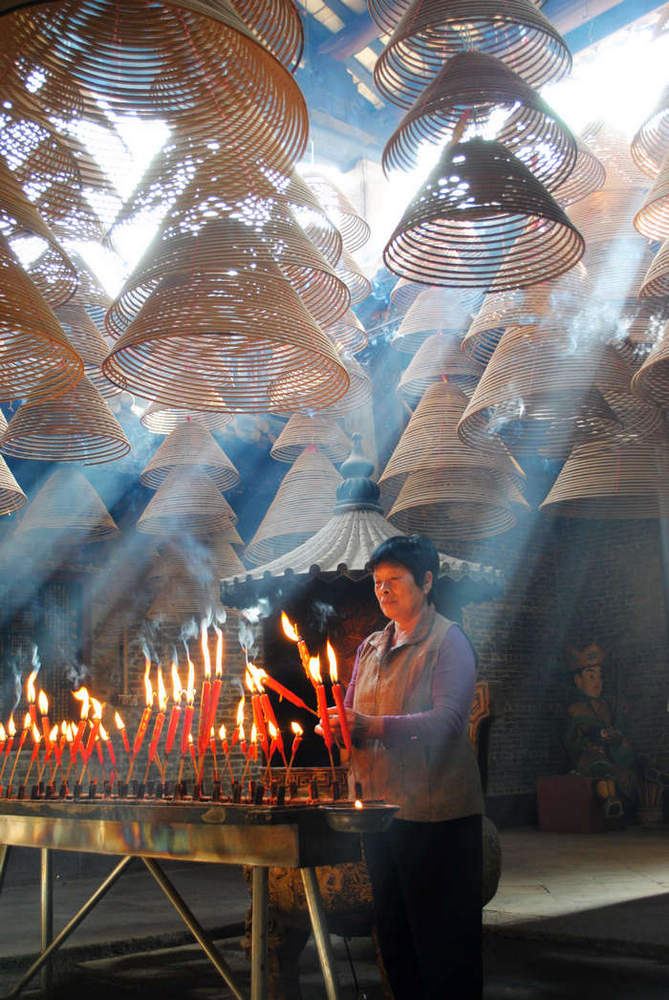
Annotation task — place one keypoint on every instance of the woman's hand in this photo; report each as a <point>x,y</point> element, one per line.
<point>361,727</point>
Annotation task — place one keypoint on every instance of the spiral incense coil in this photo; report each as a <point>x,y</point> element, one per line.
<point>608,214</point>
<point>651,382</point>
<point>191,446</point>
<point>448,505</point>
<point>359,286</point>
<point>185,590</point>
<point>404,293</point>
<point>438,359</point>
<point>230,245</point>
<point>480,207</point>
<point>464,93</point>
<point>358,394</point>
<point>302,506</point>
<point>12,496</point>
<point>198,66</point>
<point>587,176</point>
<point>36,360</point>
<point>387,13</point>
<point>652,219</point>
<point>348,334</point>
<point>600,480</point>
<point>223,342</point>
<point>636,330</point>
<point>434,310</point>
<point>187,501</point>
<point>311,431</point>
<point>67,510</point>
<point>543,391</point>
<point>88,342</point>
<point>433,31</point>
<point>617,269</point>
<point>650,145</point>
<point>655,283</point>
<point>312,217</point>
<point>354,230</point>
<point>278,25</point>
<point>160,418</point>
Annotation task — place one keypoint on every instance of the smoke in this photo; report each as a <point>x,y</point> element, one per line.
<point>501,415</point>
<point>35,661</point>
<point>75,673</point>
<point>322,614</point>
<point>249,626</point>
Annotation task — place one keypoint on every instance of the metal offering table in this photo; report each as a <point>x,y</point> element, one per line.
<point>291,836</point>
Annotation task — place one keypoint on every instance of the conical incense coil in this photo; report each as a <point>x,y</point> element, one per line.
<point>69,510</point>
<point>160,418</point>
<point>600,480</point>
<point>52,271</point>
<point>637,329</point>
<point>359,392</point>
<point>36,360</point>
<point>650,145</point>
<point>187,501</point>
<point>387,13</point>
<point>315,431</point>
<point>587,176</point>
<point>452,504</point>
<point>182,595</point>
<point>348,271</point>
<point>354,230</point>
<point>480,207</point>
<point>190,446</point>
<point>652,219</point>
<point>651,382</point>
<point>617,269</point>
<point>404,293</point>
<point>12,496</point>
<point>567,296</point>
<point>463,94</point>
<point>607,214</point>
<point>543,392</point>
<point>78,426</point>
<point>655,283</point>
<point>433,31</point>
<point>611,145</point>
<point>302,506</point>
<point>438,359</point>
<point>278,25</point>
<point>200,67</point>
<point>210,342</point>
<point>88,342</point>
<point>225,559</point>
<point>348,333</point>
<point>312,217</point>
<point>231,245</point>
<point>435,310</point>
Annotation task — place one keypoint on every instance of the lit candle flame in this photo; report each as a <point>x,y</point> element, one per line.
<point>64,728</point>
<point>31,693</point>
<point>162,693</point>
<point>43,703</point>
<point>177,690</point>
<point>27,721</point>
<point>272,730</point>
<point>82,695</point>
<point>358,804</point>
<point>148,690</point>
<point>254,733</point>
<point>248,680</point>
<point>11,725</point>
<point>104,735</point>
<point>190,683</point>
<point>240,711</point>
<point>219,651</point>
<point>315,669</point>
<point>69,736</point>
<point>3,734</point>
<point>289,629</point>
<point>118,721</point>
<point>53,735</point>
<point>204,644</point>
<point>97,708</point>
<point>332,661</point>
<point>37,736</point>
<point>297,728</point>
<point>222,735</point>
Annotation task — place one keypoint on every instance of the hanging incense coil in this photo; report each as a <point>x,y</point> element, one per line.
<point>433,31</point>
<point>481,206</point>
<point>600,480</point>
<point>655,283</point>
<point>652,219</point>
<point>434,310</point>
<point>67,510</point>
<point>465,91</point>
<point>438,359</point>
<point>617,269</point>
<point>607,214</point>
<point>387,13</point>
<point>52,271</point>
<point>545,390</point>
<point>348,334</point>
<point>354,230</point>
<point>587,176</point>
<point>302,506</point>
<point>88,342</point>
<point>78,426</point>
<point>312,217</point>
<point>230,245</point>
<point>311,431</point>
<point>637,330</point>
<point>36,360</point>
<point>404,293</point>
<point>279,26</point>
<point>358,394</point>
<point>209,342</point>
<point>190,446</point>
<point>160,418</point>
<point>12,496</point>
<point>187,501</point>
<point>651,382</point>
<point>650,145</point>
<point>187,588</point>
<point>200,67</point>
<point>359,286</point>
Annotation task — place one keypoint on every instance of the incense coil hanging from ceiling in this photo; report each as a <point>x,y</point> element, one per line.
<point>278,25</point>
<point>36,360</point>
<point>88,342</point>
<point>637,330</point>
<point>302,506</point>
<point>353,228</point>
<point>316,431</point>
<point>651,381</point>
<point>213,342</point>
<point>186,502</point>
<point>387,13</point>
<point>12,496</point>
<point>652,219</point>
<point>68,510</point>
<point>433,31</point>
<point>544,390</point>
<point>611,145</point>
<point>77,426</point>
<point>198,65</point>
<point>358,394</point>
<point>187,585</point>
<point>600,480</point>
<point>438,359</point>
<point>312,217</point>
<point>358,285</point>
<point>404,293</point>
<point>655,283</point>
<point>480,207</point>
<point>190,446</point>
<point>52,271</point>
<point>229,245</point>
<point>650,145</point>
<point>348,333</point>
<point>463,94</point>
<point>161,418</point>
<point>587,176</point>
<point>434,310</point>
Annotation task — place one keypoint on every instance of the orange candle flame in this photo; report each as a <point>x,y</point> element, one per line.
<point>27,721</point>
<point>81,694</point>
<point>43,703</point>
<point>190,683</point>
<point>297,728</point>
<point>31,692</point>
<point>358,804</point>
<point>219,651</point>
<point>148,690</point>
<point>177,689</point>
<point>118,721</point>
<point>222,734</point>
<point>97,708</point>
<point>11,725</point>
<point>315,670</point>
<point>204,645</point>
<point>53,735</point>
<point>37,736</point>
<point>289,629</point>
<point>162,693</point>
<point>332,661</point>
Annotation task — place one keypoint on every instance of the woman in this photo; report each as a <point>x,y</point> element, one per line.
<point>407,707</point>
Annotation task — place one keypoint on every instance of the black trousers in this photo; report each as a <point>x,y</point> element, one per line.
<point>426,880</point>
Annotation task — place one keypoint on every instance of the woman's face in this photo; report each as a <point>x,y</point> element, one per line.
<point>398,594</point>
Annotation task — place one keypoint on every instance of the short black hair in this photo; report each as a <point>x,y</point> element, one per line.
<point>416,552</point>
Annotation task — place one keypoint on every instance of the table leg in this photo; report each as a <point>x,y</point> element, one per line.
<point>46,901</point>
<point>259,907</point>
<point>321,935</point>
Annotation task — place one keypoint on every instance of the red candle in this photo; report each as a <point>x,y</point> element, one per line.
<point>160,718</point>
<point>22,739</point>
<point>120,725</point>
<point>338,695</point>
<point>321,699</point>
<point>212,747</point>
<point>37,737</point>
<point>31,695</point>
<point>205,694</point>
<point>107,740</point>
<point>290,631</point>
<point>284,692</point>
<point>177,692</point>
<point>218,678</point>
<point>81,695</point>
<point>146,714</point>
<point>43,704</point>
